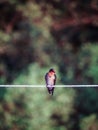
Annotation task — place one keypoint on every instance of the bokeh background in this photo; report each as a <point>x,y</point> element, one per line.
<point>36,35</point>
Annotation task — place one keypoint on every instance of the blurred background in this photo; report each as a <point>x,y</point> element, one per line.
<point>36,35</point>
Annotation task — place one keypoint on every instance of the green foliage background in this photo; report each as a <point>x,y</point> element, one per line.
<point>28,49</point>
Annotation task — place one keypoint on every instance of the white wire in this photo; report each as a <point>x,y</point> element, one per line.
<point>40,86</point>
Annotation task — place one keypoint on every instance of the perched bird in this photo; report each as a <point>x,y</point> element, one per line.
<point>50,78</point>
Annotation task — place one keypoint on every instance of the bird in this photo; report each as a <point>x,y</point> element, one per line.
<point>50,79</point>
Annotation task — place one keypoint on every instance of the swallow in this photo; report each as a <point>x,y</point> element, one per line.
<point>50,79</point>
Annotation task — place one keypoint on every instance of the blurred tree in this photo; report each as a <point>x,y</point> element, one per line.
<point>58,33</point>
<point>46,28</point>
<point>33,108</point>
<point>85,105</point>
<point>13,111</point>
<point>2,93</point>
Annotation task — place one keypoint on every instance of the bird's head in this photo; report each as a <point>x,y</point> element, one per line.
<point>52,71</point>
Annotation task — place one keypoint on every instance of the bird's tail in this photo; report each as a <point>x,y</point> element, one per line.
<point>50,89</point>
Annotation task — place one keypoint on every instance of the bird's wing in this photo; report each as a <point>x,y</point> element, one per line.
<point>46,77</point>
<point>55,79</point>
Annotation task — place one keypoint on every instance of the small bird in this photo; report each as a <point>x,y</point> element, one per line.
<point>50,78</point>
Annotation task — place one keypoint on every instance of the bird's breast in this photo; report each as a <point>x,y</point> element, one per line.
<point>51,80</point>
